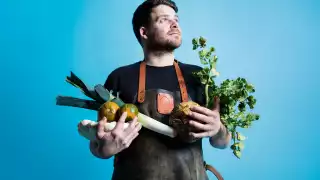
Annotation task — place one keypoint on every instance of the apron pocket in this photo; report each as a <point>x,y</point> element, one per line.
<point>165,103</point>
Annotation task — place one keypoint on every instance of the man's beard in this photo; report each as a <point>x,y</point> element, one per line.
<point>163,45</point>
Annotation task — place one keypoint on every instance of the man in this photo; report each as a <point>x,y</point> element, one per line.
<point>156,84</point>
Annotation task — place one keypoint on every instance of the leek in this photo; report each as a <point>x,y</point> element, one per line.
<point>87,128</point>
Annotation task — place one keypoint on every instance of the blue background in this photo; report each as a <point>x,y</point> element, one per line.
<point>274,44</point>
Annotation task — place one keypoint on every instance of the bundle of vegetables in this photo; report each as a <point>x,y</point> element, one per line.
<point>108,106</point>
<point>235,96</point>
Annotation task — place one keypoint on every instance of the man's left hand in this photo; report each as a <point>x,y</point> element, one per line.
<point>204,121</point>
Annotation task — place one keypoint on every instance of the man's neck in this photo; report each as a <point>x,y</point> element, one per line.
<point>159,59</point>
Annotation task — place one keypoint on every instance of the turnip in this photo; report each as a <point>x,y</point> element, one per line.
<point>109,110</point>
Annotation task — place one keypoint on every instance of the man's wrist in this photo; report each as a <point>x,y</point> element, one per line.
<point>221,138</point>
<point>221,133</point>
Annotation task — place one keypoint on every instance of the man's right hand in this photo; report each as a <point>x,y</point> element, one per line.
<point>114,141</point>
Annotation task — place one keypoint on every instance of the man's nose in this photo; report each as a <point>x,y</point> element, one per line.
<point>174,24</point>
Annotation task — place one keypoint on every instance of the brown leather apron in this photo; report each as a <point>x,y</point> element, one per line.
<point>152,156</point>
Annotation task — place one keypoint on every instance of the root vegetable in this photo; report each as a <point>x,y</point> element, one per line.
<point>179,120</point>
<point>181,111</point>
<point>130,109</point>
<point>109,110</point>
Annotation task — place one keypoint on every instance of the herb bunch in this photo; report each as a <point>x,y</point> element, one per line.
<point>236,99</point>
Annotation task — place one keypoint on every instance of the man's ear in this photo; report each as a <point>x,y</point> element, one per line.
<point>143,33</point>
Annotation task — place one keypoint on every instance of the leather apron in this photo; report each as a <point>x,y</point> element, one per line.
<point>153,156</point>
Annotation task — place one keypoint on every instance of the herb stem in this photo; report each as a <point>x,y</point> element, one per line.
<point>207,91</point>
<point>207,95</point>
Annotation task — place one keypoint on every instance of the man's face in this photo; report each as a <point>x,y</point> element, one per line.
<point>163,32</point>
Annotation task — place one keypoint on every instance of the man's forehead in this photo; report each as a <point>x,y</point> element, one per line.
<point>163,10</point>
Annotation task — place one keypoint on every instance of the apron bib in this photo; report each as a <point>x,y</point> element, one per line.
<point>153,156</point>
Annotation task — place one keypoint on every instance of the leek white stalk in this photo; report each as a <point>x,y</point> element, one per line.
<point>88,128</point>
<point>156,126</point>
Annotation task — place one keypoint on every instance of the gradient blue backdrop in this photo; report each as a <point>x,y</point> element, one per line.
<point>274,44</point>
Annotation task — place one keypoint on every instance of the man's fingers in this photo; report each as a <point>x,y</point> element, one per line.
<point>216,104</point>
<point>120,122</point>
<point>129,134</point>
<point>100,128</point>
<point>200,135</point>
<point>118,131</point>
<point>199,117</point>
<point>199,126</point>
<point>134,127</point>
<point>202,110</point>
<point>133,123</point>
<point>128,140</point>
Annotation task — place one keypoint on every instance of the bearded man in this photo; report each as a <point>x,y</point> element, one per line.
<point>155,85</point>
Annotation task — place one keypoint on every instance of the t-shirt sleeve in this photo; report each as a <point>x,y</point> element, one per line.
<point>111,82</point>
<point>199,85</point>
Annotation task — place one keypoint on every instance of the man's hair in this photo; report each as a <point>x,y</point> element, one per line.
<point>141,16</point>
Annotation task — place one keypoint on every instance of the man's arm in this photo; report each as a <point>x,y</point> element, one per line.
<point>222,139</point>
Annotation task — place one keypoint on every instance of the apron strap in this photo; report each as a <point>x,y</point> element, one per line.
<point>182,84</point>
<point>142,82</point>
<point>213,170</point>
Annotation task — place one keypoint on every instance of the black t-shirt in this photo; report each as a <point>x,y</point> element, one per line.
<point>125,80</point>
<point>152,156</point>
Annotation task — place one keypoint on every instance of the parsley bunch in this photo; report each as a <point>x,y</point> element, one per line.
<point>236,99</point>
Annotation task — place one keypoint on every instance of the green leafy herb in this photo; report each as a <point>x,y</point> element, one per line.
<point>236,99</point>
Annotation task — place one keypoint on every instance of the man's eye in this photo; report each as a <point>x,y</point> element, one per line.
<point>163,19</point>
<point>167,19</point>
